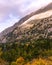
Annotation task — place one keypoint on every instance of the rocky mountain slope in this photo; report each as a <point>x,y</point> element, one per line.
<point>35,25</point>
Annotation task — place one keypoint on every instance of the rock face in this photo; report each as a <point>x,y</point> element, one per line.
<point>35,25</point>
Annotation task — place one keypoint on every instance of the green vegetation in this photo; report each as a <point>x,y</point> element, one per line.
<point>28,50</point>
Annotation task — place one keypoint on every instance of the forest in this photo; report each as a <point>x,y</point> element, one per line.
<point>22,53</point>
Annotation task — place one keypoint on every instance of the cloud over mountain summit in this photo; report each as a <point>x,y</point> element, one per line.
<point>12,10</point>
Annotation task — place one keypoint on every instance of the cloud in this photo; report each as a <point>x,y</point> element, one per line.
<point>12,10</point>
<point>7,23</point>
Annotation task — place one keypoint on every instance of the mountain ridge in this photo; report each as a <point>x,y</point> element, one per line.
<point>21,21</point>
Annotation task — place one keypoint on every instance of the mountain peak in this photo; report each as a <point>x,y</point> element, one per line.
<point>45,8</point>
<point>50,4</point>
<point>42,12</point>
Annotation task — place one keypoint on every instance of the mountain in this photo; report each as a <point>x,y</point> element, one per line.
<point>34,25</point>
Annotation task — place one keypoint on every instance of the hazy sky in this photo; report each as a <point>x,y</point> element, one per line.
<point>12,10</point>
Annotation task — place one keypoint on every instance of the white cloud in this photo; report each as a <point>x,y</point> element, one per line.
<point>18,8</point>
<point>8,22</point>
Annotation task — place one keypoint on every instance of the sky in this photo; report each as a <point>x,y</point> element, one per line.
<point>11,11</point>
